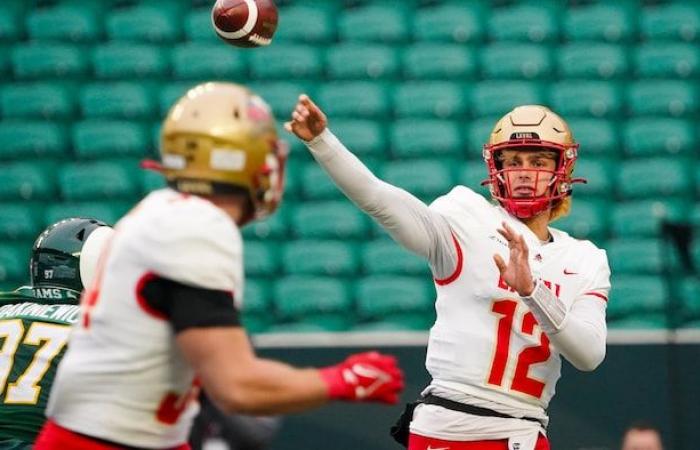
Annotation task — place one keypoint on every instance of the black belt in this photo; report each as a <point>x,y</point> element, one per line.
<point>431,399</point>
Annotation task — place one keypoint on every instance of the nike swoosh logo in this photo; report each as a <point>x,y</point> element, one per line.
<point>566,272</point>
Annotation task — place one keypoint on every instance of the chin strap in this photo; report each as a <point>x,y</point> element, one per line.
<point>549,311</point>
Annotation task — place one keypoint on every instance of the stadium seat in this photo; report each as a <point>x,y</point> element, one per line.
<point>144,23</point>
<point>272,227</point>
<point>52,101</point>
<point>636,295</point>
<point>355,99</point>
<point>471,174</point>
<point>690,296</point>
<point>429,60</point>
<point>663,97</point>
<point>27,181</point>
<point>29,139</point>
<point>440,99</point>
<point>658,136</point>
<point>19,221</point>
<point>331,258</point>
<point>285,62</point>
<point>150,181</point>
<point>45,60</point>
<point>261,259</point>
<point>524,22</point>
<point>78,182</point>
<point>108,212</point>
<point>477,133</point>
<point>385,257</point>
<point>11,23</point>
<point>109,138</point>
<point>599,22</point>
<point>424,178</point>
<point>311,23</point>
<point>586,98</point>
<point>396,299</point>
<point>458,23</point>
<point>119,100</point>
<point>643,217</point>
<point>282,96</point>
<point>69,23</point>
<point>640,321</point>
<point>498,97</point>
<point>198,27</point>
<point>670,21</point>
<point>130,61</point>
<point>655,177</point>
<point>588,219</point>
<point>362,61</point>
<point>412,138</point>
<point>329,220</point>
<point>635,256</point>
<point>515,61</point>
<point>362,137</point>
<point>320,301</point>
<point>592,60</point>
<point>13,264</point>
<point>198,61</point>
<point>667,60</point>
<point>170,93</point>
<point>596,137</point>
<point>374,22</point>
<point>257,312</point>
<point>317,185</point>
<point>600,173</point>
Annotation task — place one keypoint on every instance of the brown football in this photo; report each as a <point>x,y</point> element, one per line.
<point>245,23</point>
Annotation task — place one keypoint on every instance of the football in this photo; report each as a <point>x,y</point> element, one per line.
<point>245,23</point>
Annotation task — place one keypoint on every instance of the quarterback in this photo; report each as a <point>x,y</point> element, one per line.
<point>35,321</point>
<point>514,295</point>
<point>161,320</point>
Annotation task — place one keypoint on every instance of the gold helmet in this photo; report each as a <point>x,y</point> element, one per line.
<point>220,138</point>
<point>531,127</point>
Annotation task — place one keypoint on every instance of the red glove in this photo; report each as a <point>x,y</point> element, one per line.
<point>364,377</point>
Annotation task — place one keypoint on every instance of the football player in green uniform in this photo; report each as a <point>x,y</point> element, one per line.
<point>35,321</point>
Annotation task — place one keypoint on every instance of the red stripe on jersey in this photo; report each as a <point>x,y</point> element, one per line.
<point>596,294</point>
<point>418,442</point>
<point>140,285</point>
<point>458,269</point>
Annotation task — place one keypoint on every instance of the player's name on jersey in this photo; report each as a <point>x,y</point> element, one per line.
<point>54,313</point>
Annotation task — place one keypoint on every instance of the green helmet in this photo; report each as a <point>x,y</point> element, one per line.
<point>65,254</point>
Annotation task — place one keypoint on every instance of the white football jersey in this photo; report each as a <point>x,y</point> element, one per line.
<point>485,342</point>
<point>123,379</point>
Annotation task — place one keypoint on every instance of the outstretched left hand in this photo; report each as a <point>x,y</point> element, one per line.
<point>517,272</point>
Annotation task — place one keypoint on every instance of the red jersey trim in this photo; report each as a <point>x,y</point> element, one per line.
<point>596,294</point>
<point>458,269</point>
<point>143,281</point>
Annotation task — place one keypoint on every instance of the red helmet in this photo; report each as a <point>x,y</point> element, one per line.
<point>531,127</point>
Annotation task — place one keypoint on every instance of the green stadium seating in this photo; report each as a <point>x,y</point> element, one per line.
<point>320,301</point>
<point>592,60</point>
<point>144,23</point>
<point>429,60</point>
<point>282,96</point>
<point>272,227</point>
<point>329,220</point>
<point>588,219</point>
<point>170,93</point>
<point>13,263</point>
<point>412,138</point>
<point>37,101</point>
<point>118,100</point>
<point>671,21</point>
<point>386,257</point>
<point>635,256</point>
<point>150,181</point>
<point>440,99</point>
<point>198,27</point>
<point>354,99</point>
<point>361,61</point>
<point>257,306</point>
<point>78,182</point>
<point>642,321</point>
<point>600,174</point>
<point>524,22</point>
<point>655,177</point>
<point>70,23</point>
<point>27,181</point>
<point>428,178</point>
<point>29,139</point>
<point>261,259</point>
<point>498,97</point>
<point>397,299</point>
<point>600,21</point>
<point>378,23</point>
<point>643,217</point>
<point>515,61</point>
<point>109,138</point>
<point>11,24</point>
<point>658,136</point>
<point>108,212</point>
<point>471,174</point>
<point>317,185</point>
<point>596,137</point>
<point>667,60</point>
<point>121,60</point>
<point>48,61</point>
<point>331,258</point>
<point>690,296</point>
<point>198,60</point>
<point>19,221</point>
<point>663,97</point>
<point>285,62</point>
<point>586,98</point>
<point>362,137</point>
<point>636,295</point>
<point>306,23</point>
<point>450,22</point>
<point>477,133</point>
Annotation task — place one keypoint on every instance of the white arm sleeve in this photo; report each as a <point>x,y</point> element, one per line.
<point>408,220</point>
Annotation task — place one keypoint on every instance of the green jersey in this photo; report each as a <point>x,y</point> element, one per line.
<point>34,329</point>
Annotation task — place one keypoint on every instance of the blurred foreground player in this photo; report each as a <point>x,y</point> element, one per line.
<point>160,322</point>
<point>513,294</point>
<point>35,321</point>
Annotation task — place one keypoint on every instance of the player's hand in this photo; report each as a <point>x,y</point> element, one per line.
<point>308,121</point>
<point>517,272</point>
<point>365,377</point>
